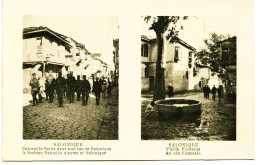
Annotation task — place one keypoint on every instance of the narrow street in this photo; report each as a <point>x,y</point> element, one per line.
<point>73,121</point>
<point>217,121</point>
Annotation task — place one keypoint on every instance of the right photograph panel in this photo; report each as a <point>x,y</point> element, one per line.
<point>188,72</point>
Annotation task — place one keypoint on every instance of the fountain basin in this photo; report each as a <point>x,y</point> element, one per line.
<point>173,109</point>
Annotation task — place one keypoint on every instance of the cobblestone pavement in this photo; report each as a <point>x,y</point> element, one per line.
<point>217,122</point>
<point>73,121</point>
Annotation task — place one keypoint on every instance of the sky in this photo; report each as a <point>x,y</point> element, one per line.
<point>198,28</point>
<point>96,33</point>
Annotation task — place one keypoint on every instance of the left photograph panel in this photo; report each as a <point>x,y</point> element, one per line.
<point>70,77</point>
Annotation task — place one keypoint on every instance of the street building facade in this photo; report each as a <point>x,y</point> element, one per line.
<point>178,63</point>
<point>45,50</point>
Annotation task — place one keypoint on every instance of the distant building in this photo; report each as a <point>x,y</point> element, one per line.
<point>203,75</point>
<point>228,53</point>
<point>116,58</point>
<point>179,64</point>
<point>76,60</point>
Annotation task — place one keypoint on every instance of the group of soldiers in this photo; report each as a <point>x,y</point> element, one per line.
<point>214,90</point>
<point>68,87</point>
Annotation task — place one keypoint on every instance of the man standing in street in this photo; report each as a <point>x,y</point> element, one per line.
<point>97,89</point>
<point>34,83</point>
<point>49,86</point>
<point>71,87</point>
<point>77,87</point>
<point>207,91</point>
<point>170,90</point>
<point>220,91</point>
<point>214,90</point>
<point>85,88</point>
<point>60,84</point>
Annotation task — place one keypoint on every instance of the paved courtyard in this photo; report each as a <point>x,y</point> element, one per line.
<point>73,121</point>
<point>217,121</point>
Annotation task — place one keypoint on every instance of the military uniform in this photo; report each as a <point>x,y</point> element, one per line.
<point>60,85</point>
<point>97,90</point>
<point>85,88</point>
<point>78,87</point>
<point>71,88</point>
<point>50,87</point>
<point>34,83</point>
<point>214,91</point>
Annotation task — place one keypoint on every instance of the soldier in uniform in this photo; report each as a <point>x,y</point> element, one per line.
<point>67,88</point>
<point>97,89</point>
<point>214,91</point>
<point>207,91</point>
<point>85,88</point>
<point>50,86</point>
<point>220,91</point>
<point>77,87</point>
<point>109,87</point>
<point>34,83</point>
<point>60,84</point>
<point>71,87</point>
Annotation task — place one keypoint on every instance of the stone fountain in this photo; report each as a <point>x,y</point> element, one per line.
<point>174,108</point>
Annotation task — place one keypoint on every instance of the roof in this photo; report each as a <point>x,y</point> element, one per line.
<point>229,39</point>
<point>174,39</point>
<point>148,38</point>
<point>31,30</point>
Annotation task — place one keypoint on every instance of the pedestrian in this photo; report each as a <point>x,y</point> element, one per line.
<point>170,90</point>
<point>41,88</point>
<point>46,88</point>
<point>67,88</point>
<point>85,88</point>
<point>109,87</point>
<point>205,91</point>
<point>214,91</point>
<point>104,88</point>
<point>50,86</point>
<point>220,90</point>
<point>71,87</point>
<point>60,85</point>
<point>34,83</point>
<point>77,87</point>
<point>97,90</point>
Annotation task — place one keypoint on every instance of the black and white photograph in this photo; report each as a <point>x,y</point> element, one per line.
<point>70,77</point>
<point>188,72</point>
<point>183,88</point>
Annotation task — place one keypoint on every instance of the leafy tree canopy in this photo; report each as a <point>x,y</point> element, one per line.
<point>210,55</point>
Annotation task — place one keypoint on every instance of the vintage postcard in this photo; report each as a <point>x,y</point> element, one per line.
<point>181,89</point>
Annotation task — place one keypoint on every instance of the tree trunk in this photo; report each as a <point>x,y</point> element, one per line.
<point>159,85</point>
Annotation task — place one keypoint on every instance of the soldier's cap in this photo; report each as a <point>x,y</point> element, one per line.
<point>34,74</point>
<point>84,75</point>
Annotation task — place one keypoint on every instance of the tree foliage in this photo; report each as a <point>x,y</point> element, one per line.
<point>211,54</point>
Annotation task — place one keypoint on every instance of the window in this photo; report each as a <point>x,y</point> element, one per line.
<point>77,52</point>
<point>176,54</point>
<point>39,45</point>
<point>144,50</point>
